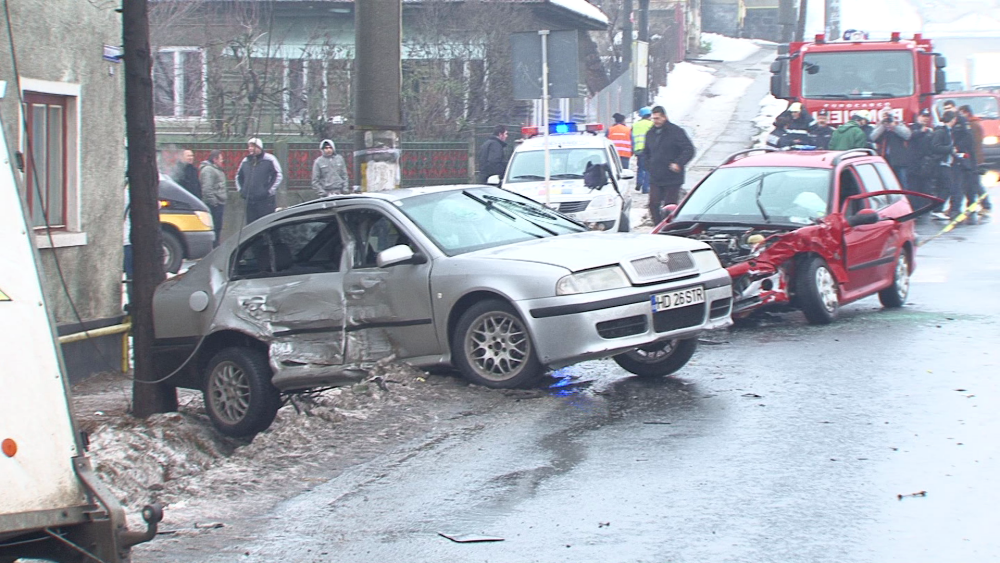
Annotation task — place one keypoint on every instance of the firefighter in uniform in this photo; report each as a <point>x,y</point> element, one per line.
<point>621,135</point>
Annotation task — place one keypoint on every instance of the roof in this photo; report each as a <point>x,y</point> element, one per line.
<point>797,159</point>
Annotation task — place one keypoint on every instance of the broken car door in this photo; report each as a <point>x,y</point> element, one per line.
<point>287,286</point>
<point>388,308</point>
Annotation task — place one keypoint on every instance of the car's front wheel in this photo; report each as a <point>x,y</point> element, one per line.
<point>491,346</point>
<point>895,295</point>
<point>173,252</point>
<point>239,397</point>
<point>659,358</point>
<point>818,292</point>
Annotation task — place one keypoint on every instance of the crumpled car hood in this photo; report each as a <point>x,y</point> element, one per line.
<point>584,251</point>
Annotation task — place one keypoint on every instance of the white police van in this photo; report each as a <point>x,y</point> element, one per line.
<point>604,208</point>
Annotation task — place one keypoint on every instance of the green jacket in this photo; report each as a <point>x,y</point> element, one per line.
<point>848,136</point>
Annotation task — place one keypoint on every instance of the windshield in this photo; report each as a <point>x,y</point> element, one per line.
<point>983,107</point>
<point>847,75</point>
<point>529,166</point>
<point>460,221</point>
<point>759,194</point>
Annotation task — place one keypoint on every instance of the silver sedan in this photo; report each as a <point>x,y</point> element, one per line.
<point>476,277</point>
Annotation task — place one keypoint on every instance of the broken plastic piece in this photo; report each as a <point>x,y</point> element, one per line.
<point>468,538</point>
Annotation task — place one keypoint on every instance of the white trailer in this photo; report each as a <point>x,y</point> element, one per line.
<point>52,506</point>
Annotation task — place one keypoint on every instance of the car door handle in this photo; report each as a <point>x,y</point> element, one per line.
<point>355,291</point>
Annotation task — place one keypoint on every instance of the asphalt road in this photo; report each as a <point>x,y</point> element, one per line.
<point>779,442</point>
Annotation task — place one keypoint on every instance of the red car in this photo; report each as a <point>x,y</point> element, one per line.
<point>809,230</point>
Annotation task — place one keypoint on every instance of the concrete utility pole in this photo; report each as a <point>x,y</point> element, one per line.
<point>786,19</point>
<point>378,107</point>
<point>626,11</point>
<point>641,96</point>
<point>832,18</point>
<point>800,28</point>
<point>143,180</point>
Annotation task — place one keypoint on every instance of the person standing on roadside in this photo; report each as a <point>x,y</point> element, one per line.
<point>639,130</point>
<point>188,174</point>
<point>820,131</point>
<point>621,135</point>
<point>668,149</point>
<point>890,138</point>
<point>490,157</point>
<point>329,174</point>
<point>922,168</point>
<point>258,179</point>
<point>943,149</point>
<point>851,135</point>
<point>975,187</point>
<point>213,184</point>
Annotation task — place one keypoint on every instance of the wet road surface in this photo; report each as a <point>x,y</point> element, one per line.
<point>779,442</point>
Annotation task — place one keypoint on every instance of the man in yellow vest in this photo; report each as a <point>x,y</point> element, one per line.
<point>639,131</point>
<point>621,135</point>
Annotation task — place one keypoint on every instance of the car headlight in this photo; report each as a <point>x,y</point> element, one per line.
<point>592,280</point>
<point>603,201</point>
<point>205,217</point>
<point>706,261</point>
<point>991,140</point>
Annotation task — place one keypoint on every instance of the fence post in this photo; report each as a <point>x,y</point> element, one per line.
<point>281,153</point>
<point>472,156</point>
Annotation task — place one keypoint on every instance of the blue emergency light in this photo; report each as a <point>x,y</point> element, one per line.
<point>560,127</point>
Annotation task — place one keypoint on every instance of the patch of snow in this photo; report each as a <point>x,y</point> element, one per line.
<point>728,48</point>
<point>685,84</point>
<point>583,8</point>
<point>770,107</point>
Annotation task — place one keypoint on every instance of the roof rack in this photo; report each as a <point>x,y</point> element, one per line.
<point>852,153</point>
<point>746,152</point>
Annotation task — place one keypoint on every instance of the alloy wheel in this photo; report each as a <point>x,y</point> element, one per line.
<point>229,392</point>
<point>497,345</point>
<point>826,287</point>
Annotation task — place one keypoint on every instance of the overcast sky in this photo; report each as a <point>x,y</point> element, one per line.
<point>934,18</point>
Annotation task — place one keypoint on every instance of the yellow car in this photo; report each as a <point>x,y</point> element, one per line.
<point>185,225</point>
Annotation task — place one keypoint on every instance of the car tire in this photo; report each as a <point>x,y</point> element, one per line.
<point>894,296</point>
<point>623,223</point>
<point>659,358</point>
<point>491,346</point>
<point>817,290</point>
<point>239,397</point>
<point>173,252</point>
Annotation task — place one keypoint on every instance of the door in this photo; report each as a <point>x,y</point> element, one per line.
<point>287,288</point>
<point>388,309</point>
<point>870,250</point>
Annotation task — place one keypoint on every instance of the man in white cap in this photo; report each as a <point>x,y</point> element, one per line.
<point>329,175</point>
<point>258,179</point>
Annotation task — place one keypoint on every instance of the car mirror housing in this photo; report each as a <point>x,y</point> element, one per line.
<point>493,180</point>
<point>399,254</point>
<point>863,217</point>
<point>627,174</point>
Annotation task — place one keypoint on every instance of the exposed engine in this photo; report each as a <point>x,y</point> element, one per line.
<point>732,243</point>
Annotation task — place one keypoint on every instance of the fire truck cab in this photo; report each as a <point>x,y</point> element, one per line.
<point>897,77</point>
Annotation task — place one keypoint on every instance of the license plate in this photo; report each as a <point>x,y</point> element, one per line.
<point>679,298</point>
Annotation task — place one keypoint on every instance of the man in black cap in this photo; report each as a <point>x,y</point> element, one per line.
<point>923,165</point>
<point>820,131</point>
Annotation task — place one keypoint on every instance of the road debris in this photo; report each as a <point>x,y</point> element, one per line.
<point>468,538</point>
<point>916,494</point>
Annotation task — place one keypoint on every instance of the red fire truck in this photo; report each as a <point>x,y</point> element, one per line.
<point>898,76</point>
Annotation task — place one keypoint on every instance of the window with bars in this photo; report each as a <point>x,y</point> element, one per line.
<point>46,159</point>
<point>179,82</point>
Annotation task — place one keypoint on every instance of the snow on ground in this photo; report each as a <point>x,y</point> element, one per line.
<point>685,83</point>
<point>728,48</point>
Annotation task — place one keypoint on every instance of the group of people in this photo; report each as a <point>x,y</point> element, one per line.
<point>945,161</point>
<point>257,179</point>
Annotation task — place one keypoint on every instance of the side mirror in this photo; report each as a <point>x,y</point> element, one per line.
<point>399,254</point>
<point>863,217</point>
<point>493,180</point>
<point>668,210</point>
<point>627,174</point>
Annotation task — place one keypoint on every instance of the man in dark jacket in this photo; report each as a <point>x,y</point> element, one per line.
<point>257,180</point>
<point>188,175</point>
<point>490,157</point>
<point>943,149</point>
<point>820,131</point>
<point>668,149</point>
<point>975,186</point>
<point>923,164</point>
<point>890,137</point>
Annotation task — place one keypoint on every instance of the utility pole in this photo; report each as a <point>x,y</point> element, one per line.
<point>800,29</point>
<point>832,18</point>
<point>642,94</point>
<point>786,19</point>
<point>378,106</point>
<point>626,11</point>
<point>143,180</point>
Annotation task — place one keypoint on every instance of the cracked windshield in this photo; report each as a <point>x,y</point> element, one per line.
<point>776,195</point>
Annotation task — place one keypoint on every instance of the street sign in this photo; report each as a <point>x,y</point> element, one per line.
<point>563,59</point>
